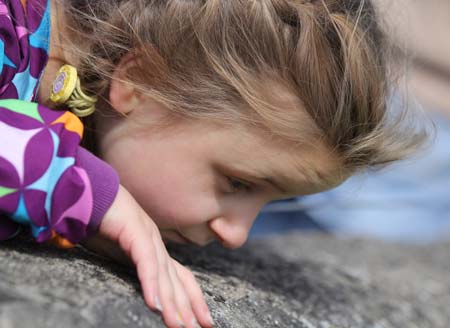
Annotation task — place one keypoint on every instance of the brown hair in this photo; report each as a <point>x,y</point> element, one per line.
<point>221,59</point>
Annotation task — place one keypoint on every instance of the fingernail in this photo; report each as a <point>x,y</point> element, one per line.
<point>195,323</point>
<point>158,304</point>
<point>179,320</point>
<point>209,318</point>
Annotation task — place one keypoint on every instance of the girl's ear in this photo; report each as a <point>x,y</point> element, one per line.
<point>123,97</point>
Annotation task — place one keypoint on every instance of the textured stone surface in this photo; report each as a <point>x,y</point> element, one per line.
<point>300,281</point>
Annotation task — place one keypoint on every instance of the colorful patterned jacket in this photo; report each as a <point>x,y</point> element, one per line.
<point>47,181</point>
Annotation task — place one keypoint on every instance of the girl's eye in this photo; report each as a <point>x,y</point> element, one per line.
<point>238,185</point>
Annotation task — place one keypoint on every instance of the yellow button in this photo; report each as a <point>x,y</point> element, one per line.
<point>64,84</point>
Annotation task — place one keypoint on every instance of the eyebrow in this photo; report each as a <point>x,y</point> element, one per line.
<point>313,177</point>
<point>274,184</point>
<point>247,175</point>
<point>260,177</point>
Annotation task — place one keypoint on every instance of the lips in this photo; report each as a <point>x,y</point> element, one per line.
<point>185,240</point>
<point>175,236</point>
<point>189,241</point>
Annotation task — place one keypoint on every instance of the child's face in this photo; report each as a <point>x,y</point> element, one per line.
<point>183,177</point>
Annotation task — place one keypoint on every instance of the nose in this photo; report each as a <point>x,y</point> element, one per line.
<point>232,232</point>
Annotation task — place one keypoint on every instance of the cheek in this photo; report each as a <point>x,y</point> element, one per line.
<point>171,186</point>
<point>167,204</point>
<point>169,197</point>
<point>171,207</point>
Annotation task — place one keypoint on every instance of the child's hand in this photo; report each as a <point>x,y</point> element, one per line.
<point>167,285</point>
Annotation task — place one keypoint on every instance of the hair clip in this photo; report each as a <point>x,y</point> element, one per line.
<point>66,89</point>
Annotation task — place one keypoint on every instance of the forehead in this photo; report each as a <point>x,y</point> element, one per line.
<point>302,167</point>
<point>297,168</point>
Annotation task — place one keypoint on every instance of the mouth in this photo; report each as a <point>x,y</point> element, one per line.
<point>184,239</point>
<point>175,236</point>
<point>178,237</point>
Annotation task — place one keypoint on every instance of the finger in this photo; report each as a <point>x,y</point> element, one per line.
<point>182,299</point>
<point>136,242</point>
<point>195,295</point>
<point>165,286</point>
<point>148,278</point>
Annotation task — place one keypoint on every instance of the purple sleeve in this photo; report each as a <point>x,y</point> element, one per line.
<point>104,182</point>
<point>60,190</point>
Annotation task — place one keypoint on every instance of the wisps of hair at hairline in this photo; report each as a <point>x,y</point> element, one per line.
<point>217,59</point>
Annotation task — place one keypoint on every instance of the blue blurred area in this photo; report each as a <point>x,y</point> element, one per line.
<point>283,216</point>
<point>408,201</point>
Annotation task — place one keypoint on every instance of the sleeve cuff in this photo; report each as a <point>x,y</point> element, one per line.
<point>105,185</point>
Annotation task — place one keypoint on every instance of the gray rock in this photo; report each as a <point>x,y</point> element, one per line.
<point>301,281</point>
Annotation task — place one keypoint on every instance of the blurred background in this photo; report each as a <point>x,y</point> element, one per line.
<point>408,202</point>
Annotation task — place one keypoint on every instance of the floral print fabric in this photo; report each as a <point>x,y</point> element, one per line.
<point>41,184</point>
<point>24,42</point>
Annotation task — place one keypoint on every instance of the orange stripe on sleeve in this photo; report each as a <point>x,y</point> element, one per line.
<point>71,123</point>
<point>60,241</point>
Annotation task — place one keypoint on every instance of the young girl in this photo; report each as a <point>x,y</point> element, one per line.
<point>205,110</point>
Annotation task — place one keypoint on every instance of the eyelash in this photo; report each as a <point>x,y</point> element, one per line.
<point>242,185</point>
